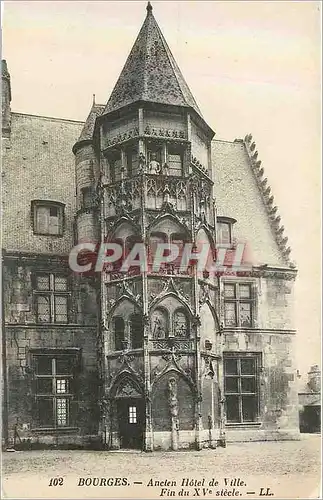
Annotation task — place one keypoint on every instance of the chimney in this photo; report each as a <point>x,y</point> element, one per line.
<point>6,99</point>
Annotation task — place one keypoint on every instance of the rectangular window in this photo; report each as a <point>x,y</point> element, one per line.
<point>48,218</point>
<point>132,161</point>
<point>241,387</point>
<point>132,415</point>
<point>175,160</point>
<point>87,197</point>
<point>51,298</point>
<point>224,233</point>
<point>53,392</point>
<point>238,305</point>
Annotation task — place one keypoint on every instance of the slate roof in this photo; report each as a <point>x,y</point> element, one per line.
<point>151,73</point>
<point>88,129</point>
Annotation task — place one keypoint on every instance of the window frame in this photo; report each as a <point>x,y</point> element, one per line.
<point>241,394</point>
<point>48,204</point>
<point>51,294</point>
<point>237,300</point>
<point>230,221</point>
<point>56,396</point>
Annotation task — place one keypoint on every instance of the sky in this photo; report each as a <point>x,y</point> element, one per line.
<point>253,67</point>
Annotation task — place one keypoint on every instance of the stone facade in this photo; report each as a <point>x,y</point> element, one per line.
<point>154,359</point>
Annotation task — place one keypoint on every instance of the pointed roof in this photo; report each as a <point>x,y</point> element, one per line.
<point>151,73</point>
<point>88,129</point>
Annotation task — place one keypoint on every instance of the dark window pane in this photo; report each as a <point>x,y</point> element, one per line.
<point>231,384</point>
<point>231,366</point>
<point>245,291</point>
<point>245,313</point>
<point>64,365</point>
<point>45,412</point>
<point>247,366</point>
<point>53,211</point>
<point>232,407</point>
<point>249,408</point>
<point>119,333</point>
<point>230,317</point>
<point>136,331</point>
<point>44,386</point>
<point>248,384</point>
<point>43,365</point>
<point>43,309</point>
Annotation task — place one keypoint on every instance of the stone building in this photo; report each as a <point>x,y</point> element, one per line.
<point>154,359</point>
<point>309,397</point>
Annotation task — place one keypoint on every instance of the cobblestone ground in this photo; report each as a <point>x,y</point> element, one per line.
<point>290,469</point>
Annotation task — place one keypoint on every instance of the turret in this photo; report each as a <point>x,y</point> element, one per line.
<point>6,99</point>
<point>87,177</point>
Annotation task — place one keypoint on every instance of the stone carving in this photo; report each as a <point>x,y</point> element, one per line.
<point>128,391</point>
<point>173,410</point>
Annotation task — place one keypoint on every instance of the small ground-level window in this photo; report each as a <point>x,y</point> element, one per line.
<point>241,387</point>
<point>132,415</point>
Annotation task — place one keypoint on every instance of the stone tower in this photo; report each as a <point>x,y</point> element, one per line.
<point>6,99</point>
<point>155,163</point>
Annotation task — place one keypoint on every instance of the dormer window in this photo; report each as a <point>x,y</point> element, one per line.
<point>224,230</point>
<point>47,217</point>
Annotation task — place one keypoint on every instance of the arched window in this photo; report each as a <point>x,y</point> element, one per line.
<point>154,240</point>
<point>159,324</point>
<point>119,330</point>
<point>178,240</point>
<point>136,331</point>
<point>117,264</point>
<point>180,324</point>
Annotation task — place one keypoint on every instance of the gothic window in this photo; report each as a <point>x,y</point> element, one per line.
<point>241,387</point>
<point>154,240</point>
<point>48,218</point>
<point>159,324</point>
<point>117,264</point>
<point>238,305</point>
<point>179,241</point>
<point>180,324</point>
<point>132,161</point>
<point>175,160</point>
<point>51,298</point>
<point>115,163</point>
<point>136,331</point>
<point>54,389</point>
<point>119,333</point>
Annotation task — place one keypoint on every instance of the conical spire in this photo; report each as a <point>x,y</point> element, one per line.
<point>151,73</point>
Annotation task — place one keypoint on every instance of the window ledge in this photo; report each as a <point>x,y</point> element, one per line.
<point>243,425</point>
<point>56,430</point>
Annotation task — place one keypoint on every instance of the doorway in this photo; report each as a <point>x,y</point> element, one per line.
<point>131,422</point>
